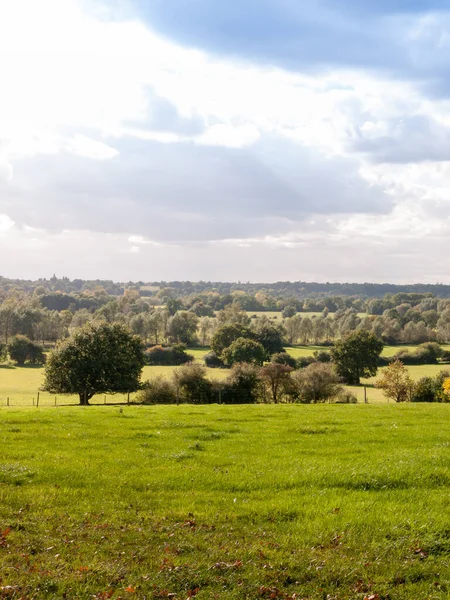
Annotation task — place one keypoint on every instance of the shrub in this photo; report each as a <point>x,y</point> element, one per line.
<point>304,361</point>
<point>431,389</point>
<point>278,382</point>
<point>424,390</point>
<point>213,361</point>
<point>283,358</point>
<point>316,383</point>
<point>396,382</point>
<point>243,385</point>
<point>322,356</point>
<point>192,385</point>
<point>346,397</point>
<point>425,354</point>
<point>171,356</point>
<point>157,390</point>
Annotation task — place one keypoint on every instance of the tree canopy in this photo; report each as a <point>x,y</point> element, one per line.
<point>357,356</point>
<point>96,359</point>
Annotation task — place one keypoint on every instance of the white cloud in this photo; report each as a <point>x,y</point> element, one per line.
<point>106,127</point>
<point>84,146</point>
<point>5,223</point>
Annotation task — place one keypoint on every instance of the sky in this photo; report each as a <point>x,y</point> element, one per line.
<point>251,140</point>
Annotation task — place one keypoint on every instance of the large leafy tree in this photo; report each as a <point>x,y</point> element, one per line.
<point>227,334</point>
<point>182,328</point>
<point>357,356</point>
<point>270,336</point>
<point>23,350</point>
<point>97,359</point>
<point>244,350</point>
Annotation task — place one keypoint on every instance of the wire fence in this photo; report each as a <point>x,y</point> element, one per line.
<point>41,399</point>
<point>216,396</point>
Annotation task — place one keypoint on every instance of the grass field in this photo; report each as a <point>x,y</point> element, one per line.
<point>21,384</point>
<point>311,502</point>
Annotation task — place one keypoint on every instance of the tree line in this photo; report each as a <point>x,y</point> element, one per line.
<point>45,315</point>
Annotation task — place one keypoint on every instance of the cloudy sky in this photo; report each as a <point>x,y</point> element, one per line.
<point>254,140</point>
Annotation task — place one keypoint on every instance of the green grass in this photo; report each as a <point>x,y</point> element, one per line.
<point>392,350</point>
<point>301,351</point>
<point>225,502</point>
<point>21,384</point>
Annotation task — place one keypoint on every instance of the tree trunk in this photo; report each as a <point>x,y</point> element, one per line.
<point>84,398</point>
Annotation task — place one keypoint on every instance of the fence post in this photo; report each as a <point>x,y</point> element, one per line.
<point>365,395</point>
<point>55,400</point>
<point>37,401</point>
<point>128,398</point>
<point>7,401</point>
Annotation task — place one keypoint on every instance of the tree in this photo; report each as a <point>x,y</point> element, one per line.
<point>227,334</point>
<point>244,350</point>
<point>277,378</point>
<point>3,352</point>
<point>396,382</point>
<point>97,359</point>
<point>289,312</point>
<point>22,350</point>
<point>318,382</point>
<point>292,326</point>
<point>182,328</point>
<point>357,356</point>
<point>270,336</point>
<point>205,327</point>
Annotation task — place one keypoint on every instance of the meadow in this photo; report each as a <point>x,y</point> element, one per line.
<point>312,502</point>
<point>21,384</point>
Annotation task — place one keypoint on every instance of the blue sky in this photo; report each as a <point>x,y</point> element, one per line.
<point>252,140</point>
<point>295,34</point>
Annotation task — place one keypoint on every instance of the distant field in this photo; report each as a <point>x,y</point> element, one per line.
<point>391,350</point>
<point>21,385</point>
<point>298,351</point>
<point>277,314</point>
<point>219,502</point>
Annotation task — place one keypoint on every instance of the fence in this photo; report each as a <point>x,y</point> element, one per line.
<point>44,399</point>
<point>216,396</point>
